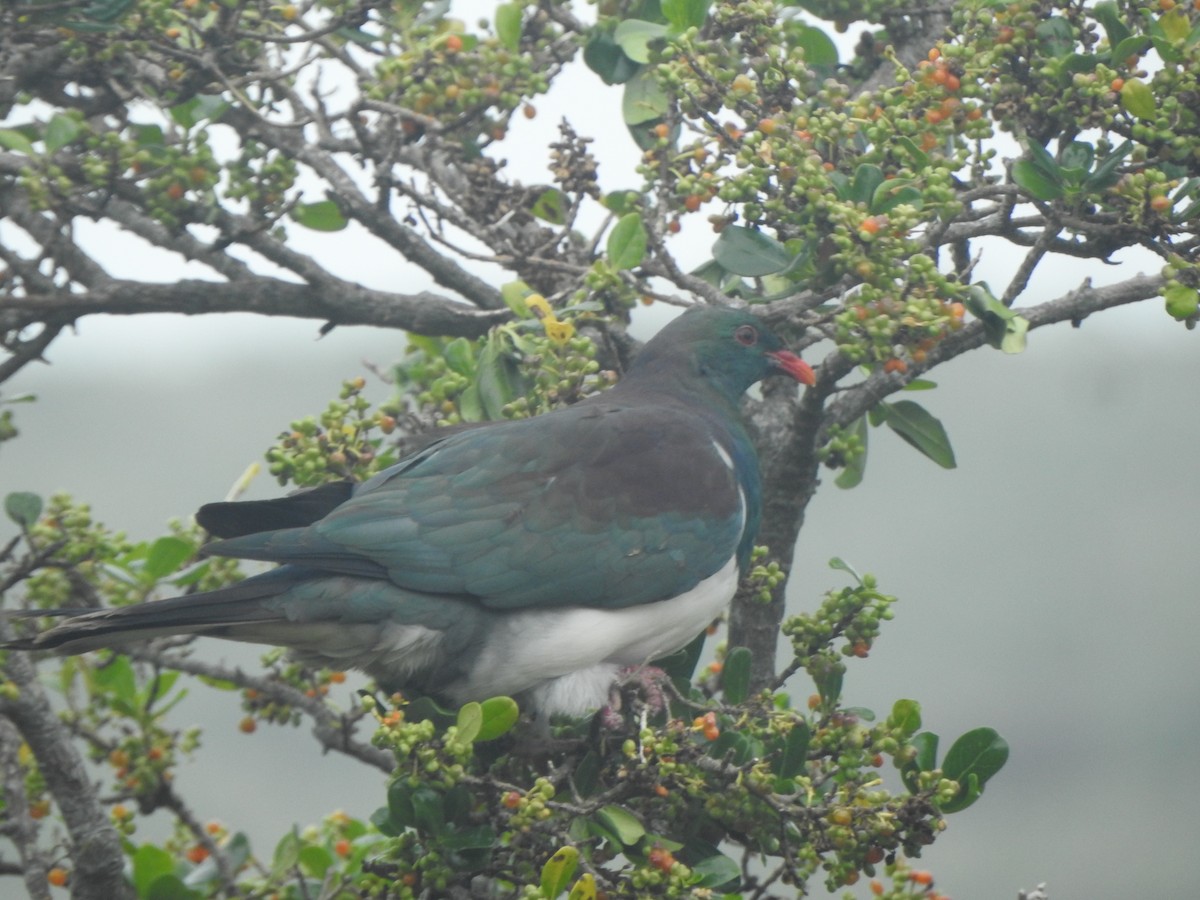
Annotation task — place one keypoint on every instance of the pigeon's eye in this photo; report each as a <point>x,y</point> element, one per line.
<point>746,335</point>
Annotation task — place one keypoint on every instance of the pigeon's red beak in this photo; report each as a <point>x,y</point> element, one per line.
<point>796,367</point>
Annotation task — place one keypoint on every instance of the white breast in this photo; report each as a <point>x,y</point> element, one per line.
<point>568,658</point>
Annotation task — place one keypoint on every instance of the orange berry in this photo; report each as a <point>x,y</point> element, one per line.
<point>928,141</point>
<point>247,725</point>
<point>974,114</point>
<point>949,105</point>
<point>895,365</point>
<point>342,848</point>
<point>454,43</point>
<point>661,790</point>
<point>172,33</point>
<point>175,191</point>
<point>154,754</point>
<point>952,83</point>
<point>933,116</point>
<point>1005,35</point>
<point>876,888</point>
<point>841,816</point>
<point>957,310</point>
<point>511,800</point>
<point>934,54</point>
<point>1161,203</point>
<point>814,700</point>
<point>939,76</point>
<point>861,650</point>
<point>850,878</point>
<point>870,225</point>
<point>214,828</point>
<point>339,677</point>
<point>197,854</point>
<point>673,227</point>
<point>767,126</point>
<point>1116,84</point>
<point>58,876</point>
<point>39,809</point>
<point>920,876</point>
<point>874,855</point>
<point>692,202</point>
<point>662,130</point>
<point>529,110</point>
<point>120,812</point>
<point>661,859</point>
<point>742,84</point>
<point>1166,5</point>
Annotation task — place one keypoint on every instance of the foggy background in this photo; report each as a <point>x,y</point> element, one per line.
<point>1047,586</point>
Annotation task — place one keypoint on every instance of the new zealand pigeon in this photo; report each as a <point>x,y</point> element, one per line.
<point>534,558</point>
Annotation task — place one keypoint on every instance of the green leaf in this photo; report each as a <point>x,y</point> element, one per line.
<point>149,864</point>
<point>920,384</point>
<point>551,206</point>
<point>634,37</point>
<point>460,356</point>
<point>623,824</point>
<point>607,60</point>
<point>1109,16</point>
<point>237,852</point>
<point>975,757</point>
<point>626,245</point>
<point>735,675</point>
<point>170,887</point>
<point>926,744</point>
<point>1078,155</point>
<point>12,139</point>
<point>470,407</point>
<point>287,854</point>
<point>684,14</point>
<point>1004,327</point>
<point>794,758</point>
<point>508,25</point>
<point>471,837</point>
<point>470,720</point>
<point>840,565</point>
<point>856,467</point>
<point>429,814</point>
<point>1182,302</point>
<point>1176,25</point>
<point>587,774</point>
<point>749,252</point>
<point>585,888</point>
<point>1034,181</point>
<point>166,555</point>
<point>60,131</point>
<point>621,202</point>
<point>906,716</point>
<point>1138,99</point>
<point>23,507</point>
<point>920,429</point>
<point>558,871</point>
<point>715,871</point>
<point>1056,36</point>
<point>896,192</point>
<point>868,179</point>
<point>117,678</point>
<point>500,714</point>
<point>323,215</point>
<point>493,379</point>
<point>644,99</point>
<point>197,109</point>
<point>819,49</point>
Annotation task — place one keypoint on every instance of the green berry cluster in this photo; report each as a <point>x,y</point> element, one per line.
<point>343,442</point>
<point>766,575</point>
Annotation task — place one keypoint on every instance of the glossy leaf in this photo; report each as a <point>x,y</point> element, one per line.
<point>749,252</point>
<point>634,37</point>
<point>819,49</point>
<point>459,355</point>
<point>11,139</point>
<point>165,556</point>
<point>1109,16</point>
<point>906,715</point>
<point>558,871</point>
<point>551,206</point>
<point>508,25</point>
<point>793,759</point>
<point>922,430</point>
<point>840,565</point>
<point>500,714</point>
<point>584,889</point>
<point>606,59</point>
<point>735,675</point>
<point>320,216</point>
<point>149,864</point>
<point>926,744</point>
<point>644,100</point>
<point>60,131</point>
<point>23,507</point>
<point>1137,98</point>
<point>973,759</point>
<point>684,14</point>
<point>1033,180</point>
<point>470,720</point>
<point>623,824</point>
<point>200,107</point>
<point>626,245</point>
<point>715,871</point>
<point>868,179</point>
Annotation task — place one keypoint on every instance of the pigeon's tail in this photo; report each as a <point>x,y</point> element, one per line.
<point>227,612</point>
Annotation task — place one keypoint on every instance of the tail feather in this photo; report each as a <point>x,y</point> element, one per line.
<point>93,629</point>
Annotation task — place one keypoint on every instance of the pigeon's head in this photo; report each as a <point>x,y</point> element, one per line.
<point>731,349</point>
